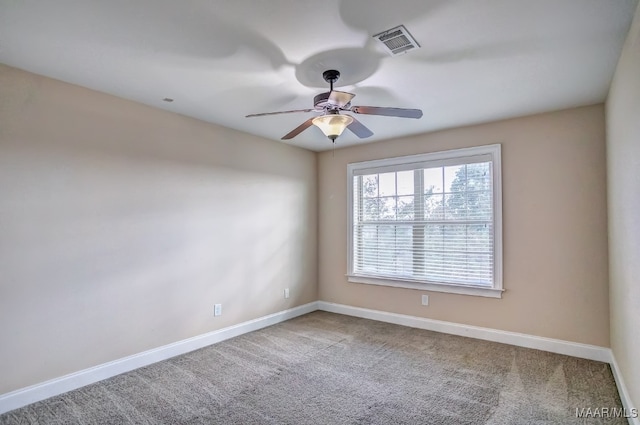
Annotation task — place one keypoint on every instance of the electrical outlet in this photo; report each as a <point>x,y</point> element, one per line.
<point>425,299</point>
<point>217,310</point>
<point>286,293</point>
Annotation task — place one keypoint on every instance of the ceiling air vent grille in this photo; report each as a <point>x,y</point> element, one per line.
<point>397,40</point>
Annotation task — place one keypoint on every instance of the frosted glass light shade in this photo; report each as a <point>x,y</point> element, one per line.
<point>332,125</point>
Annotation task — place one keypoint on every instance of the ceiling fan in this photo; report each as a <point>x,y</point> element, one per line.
<point>331,122</point>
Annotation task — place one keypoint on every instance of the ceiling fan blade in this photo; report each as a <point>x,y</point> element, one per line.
<point>299,129</point>
<point>389,112</point>
<point>280,112</point>
<point>340,98</point>
<point>359,129</point>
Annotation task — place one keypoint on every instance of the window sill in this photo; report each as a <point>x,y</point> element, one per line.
<point>435,287</point>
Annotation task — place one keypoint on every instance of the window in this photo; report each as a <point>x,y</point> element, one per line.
<point>430,221</point>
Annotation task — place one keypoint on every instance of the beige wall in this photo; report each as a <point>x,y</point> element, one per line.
<point>623,181</point>
<point>121,225</point>
<point>554,225</point>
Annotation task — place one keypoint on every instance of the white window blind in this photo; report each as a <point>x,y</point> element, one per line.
<point>429,218</point>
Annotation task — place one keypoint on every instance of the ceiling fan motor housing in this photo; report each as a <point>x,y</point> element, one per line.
<point>321,101</point>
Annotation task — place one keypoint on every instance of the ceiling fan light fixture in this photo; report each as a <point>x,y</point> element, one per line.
<point>332,125</point>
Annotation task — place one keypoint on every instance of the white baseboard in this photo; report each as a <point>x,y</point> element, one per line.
<point>585,351</point>
<point>28,395</point>
<point>622,390</point>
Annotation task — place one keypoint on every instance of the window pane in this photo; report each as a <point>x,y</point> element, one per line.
<point>370,209</point>
<point>404,250</point>
<point>405,208</point>
<point>455,206</point>
<point>479,176</point>
<point>454,266</point>
<point>434,238</point>
<point>405,182</point>
<point>433,182</point>
<point>454,178</point>
<point>368,249</point>
<point>480,238</point>
<point>386,249</point>
<point>404,237</point>
<point>370,186</point>
<point>433,207</point>
<point>388,208</point>
<point>480,269</point>
<point>479,205</point>
<point>455,238</point>
<point>433,265</point>
<point>387,183</point>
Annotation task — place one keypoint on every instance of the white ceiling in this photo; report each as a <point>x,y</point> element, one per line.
<point>480,60</point>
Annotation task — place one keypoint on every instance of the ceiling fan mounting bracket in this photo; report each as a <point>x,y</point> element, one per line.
<point>331,76</point>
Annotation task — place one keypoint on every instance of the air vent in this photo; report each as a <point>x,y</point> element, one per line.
<point>397,40</point>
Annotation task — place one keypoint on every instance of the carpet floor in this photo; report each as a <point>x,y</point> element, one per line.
<point>325,368</point>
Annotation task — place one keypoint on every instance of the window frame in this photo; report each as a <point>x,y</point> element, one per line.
<point>426,160</point>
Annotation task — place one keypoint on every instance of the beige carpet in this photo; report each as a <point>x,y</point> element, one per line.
<point>325,368</point>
